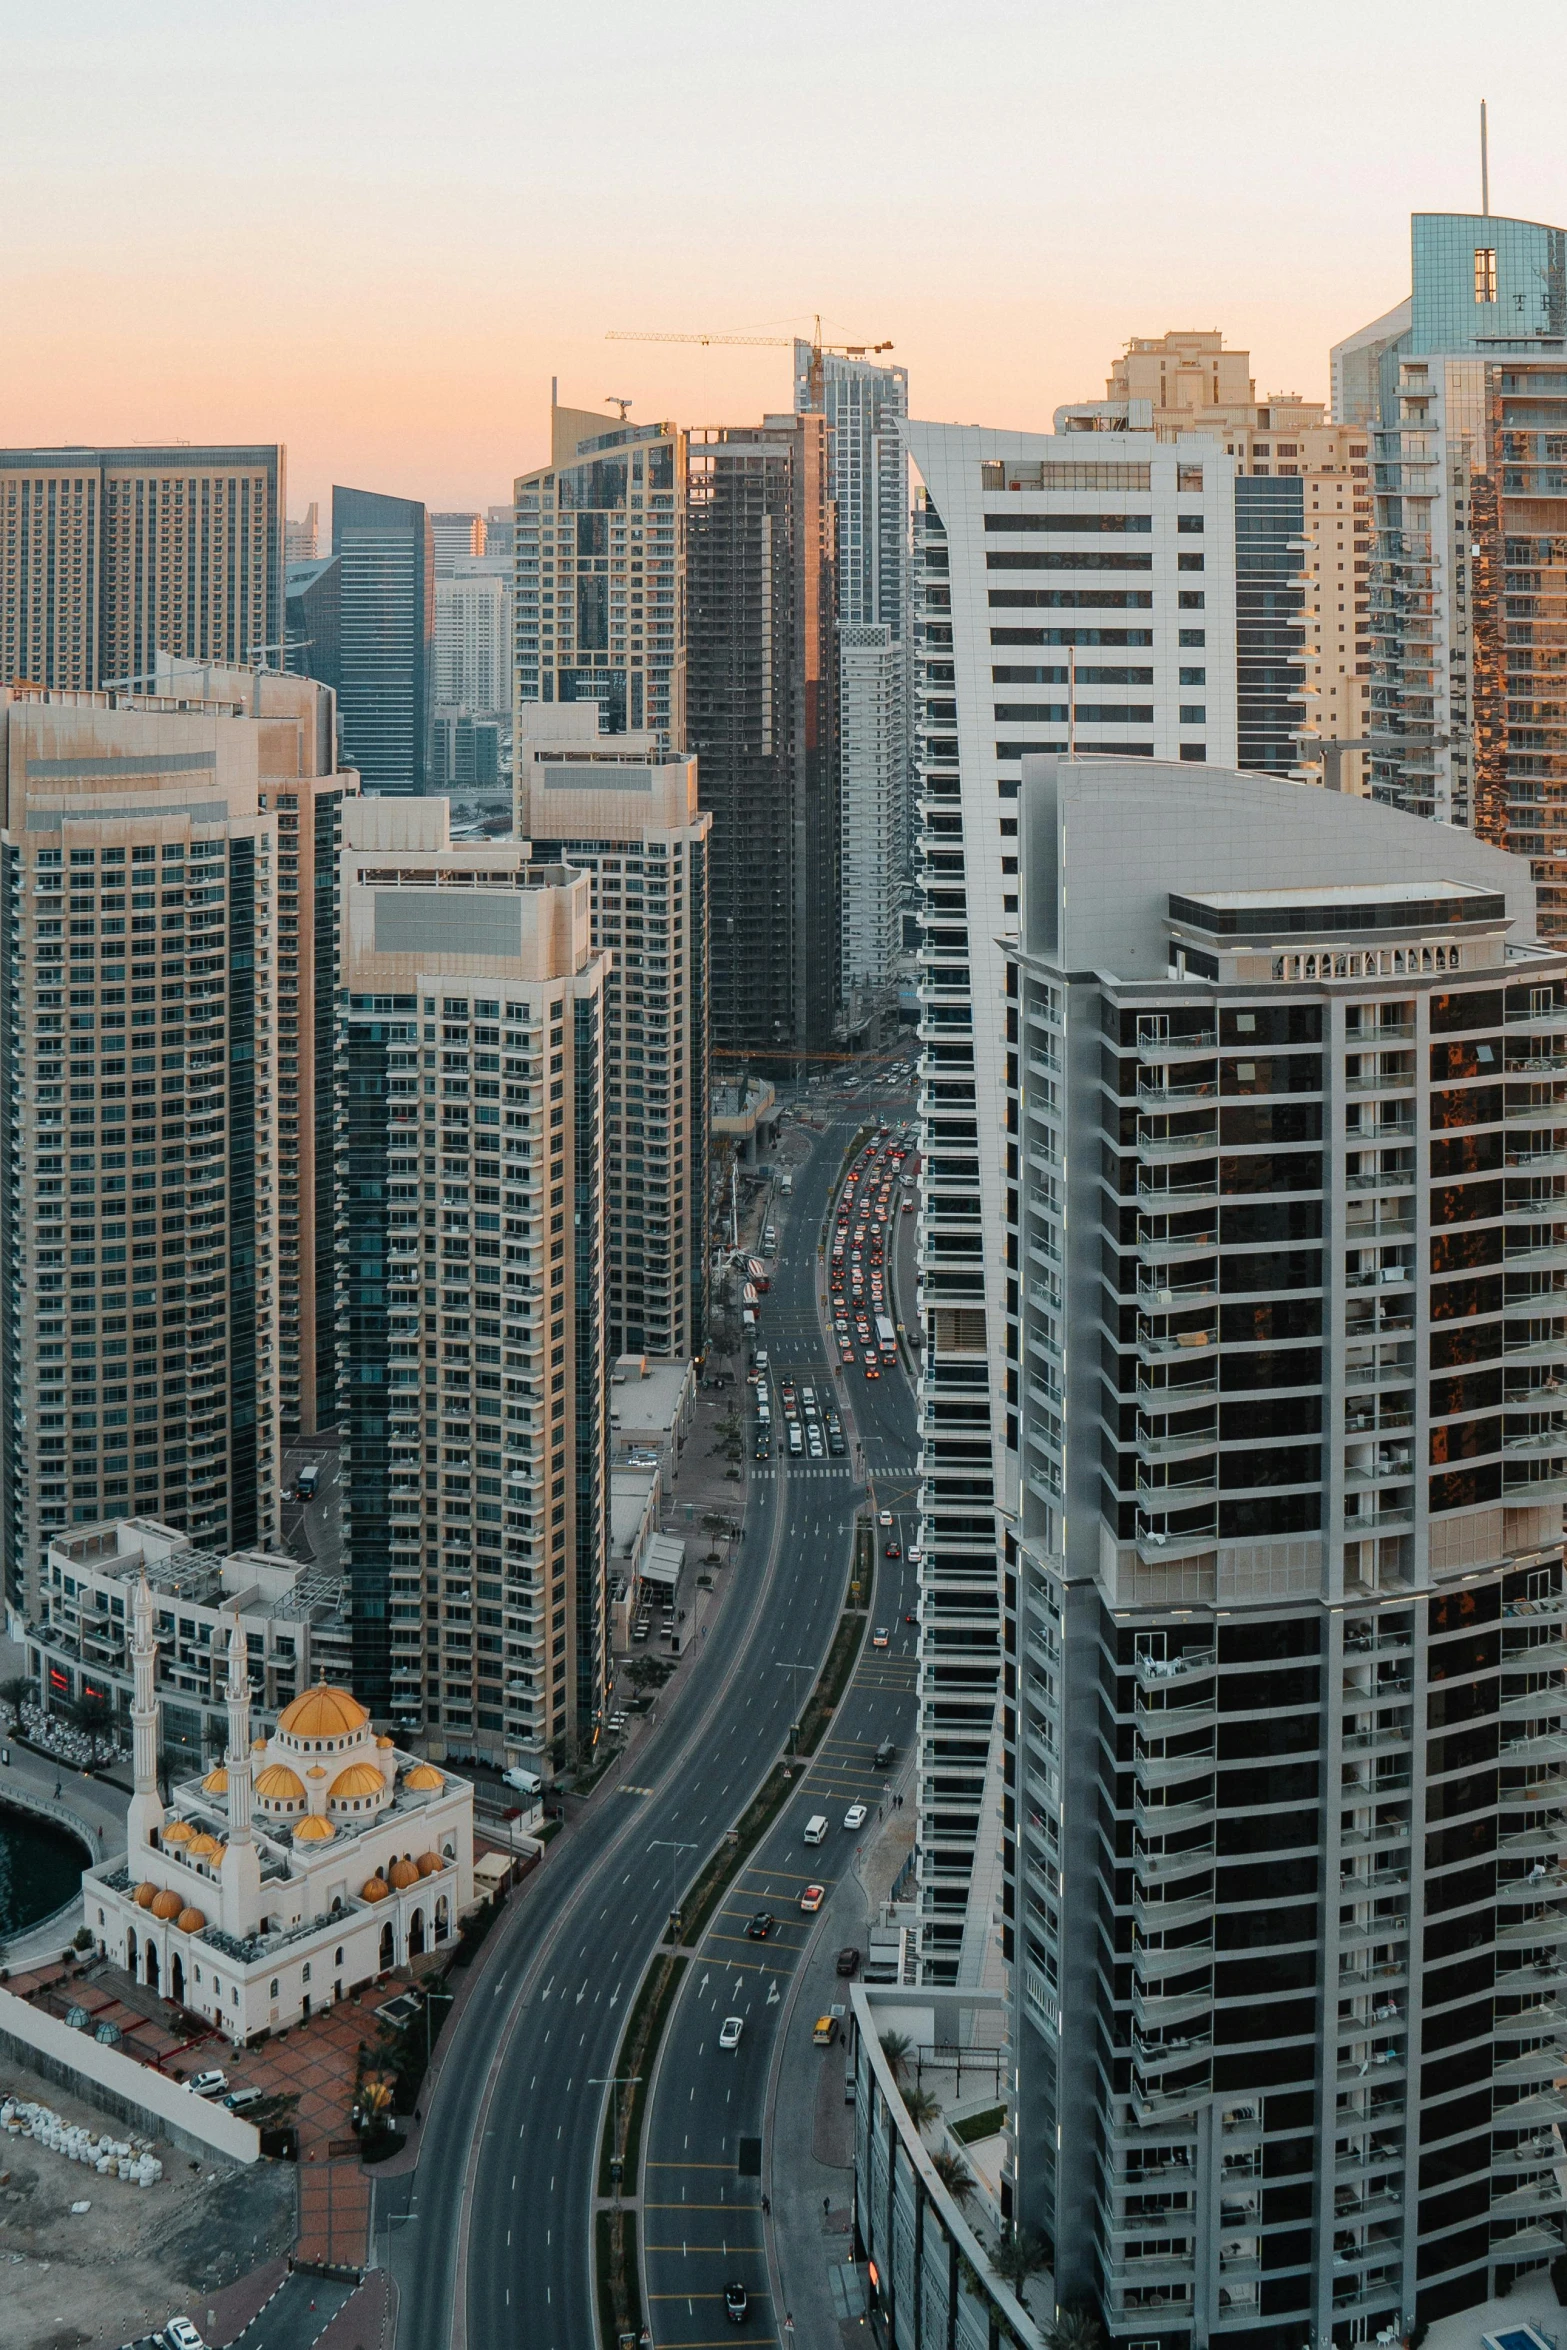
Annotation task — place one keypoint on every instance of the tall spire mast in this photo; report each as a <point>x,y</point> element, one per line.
<point>1485,166</point>
<point>145,1816</point>
<point>237,1759</point>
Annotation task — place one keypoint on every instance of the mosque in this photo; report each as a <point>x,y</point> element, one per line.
<point>301,1868</point>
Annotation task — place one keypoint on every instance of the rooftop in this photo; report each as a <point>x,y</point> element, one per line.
<point>256,1582</point>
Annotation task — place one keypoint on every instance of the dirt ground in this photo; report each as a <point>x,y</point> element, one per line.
<point>105,2275</point>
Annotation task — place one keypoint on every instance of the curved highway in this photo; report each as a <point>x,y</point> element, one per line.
<point>490,2239</point>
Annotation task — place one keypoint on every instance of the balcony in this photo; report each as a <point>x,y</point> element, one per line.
<point>1162,1147</point>
<point>1378,1374</point>
<point>1156,1544</point>
<point>1155,1042</point>
<point>1160,1088</point>
<point>1160,1346</point>
<point>1154,1248</point>
<point>1194,1190</point>
<point>1172,1770</point>
<point>1523,1487</point>
<point>1160,1296</point>
<point>1173,1445</point>
<point>1398,1276</point>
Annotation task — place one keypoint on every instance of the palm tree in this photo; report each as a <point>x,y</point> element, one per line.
<point>1020,2255</point>
<point>1075,2329</point>
<point>921,2108</point>
<point>896,2048</point>
<point>14,1692</point>
<point>955,2176</point>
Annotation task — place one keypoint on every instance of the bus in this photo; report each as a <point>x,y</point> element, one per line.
<point>886,1338</point>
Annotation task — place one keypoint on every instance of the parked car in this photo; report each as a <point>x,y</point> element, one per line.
<point>180,2334</point>
<point>209,2084</point>
<point>825,2031</point>
<point>729,2031</point>
<point>241,2100</point>
<point>848,1961</point>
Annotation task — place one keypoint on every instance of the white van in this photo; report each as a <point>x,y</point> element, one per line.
<point>816,1828</point>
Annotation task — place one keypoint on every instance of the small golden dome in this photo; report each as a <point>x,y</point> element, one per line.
<point>313,1831</point>
<point>403,1873</point>
<point>323,1712</point>
<point>166,1904</point>
<point>383,1742</point>
<point>424,1778</point>
<point>280,1785</point>
<point>258,1746</point>
<point>178,1832</point>
<point>359,1779</point>
<point>316,1771</point>
<point>191,1921</point>
<point>204,1848</point>
<point>145,1895</point>
<point>374,1889</point>
<point>216,1782</point>
<point>429,1864</point>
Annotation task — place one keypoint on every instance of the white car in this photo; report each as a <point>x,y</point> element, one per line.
<point>180,2334</point>
<point>210,2084</point>
<point>729,2031</point>
<point>856,1816</point>
<point>884,1517</point>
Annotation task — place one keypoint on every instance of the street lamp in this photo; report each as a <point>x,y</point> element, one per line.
<point>783,1667</point>
<point>674,1850</point>
<point>617,2083</point>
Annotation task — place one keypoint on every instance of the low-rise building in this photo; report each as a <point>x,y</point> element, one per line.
<point>651,1407</point>
<point>303,1866</point>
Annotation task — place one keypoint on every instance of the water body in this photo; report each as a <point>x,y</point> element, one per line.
<point>40,1868</point>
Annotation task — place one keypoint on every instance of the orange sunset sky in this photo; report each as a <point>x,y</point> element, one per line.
<point>375,232</point>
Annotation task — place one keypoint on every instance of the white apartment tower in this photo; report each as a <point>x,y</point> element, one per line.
<point>140,1361</point>
<point>610,806</point>
<point>1065,593</point>
<point>1284,1687</point>
<point>472,1379</point>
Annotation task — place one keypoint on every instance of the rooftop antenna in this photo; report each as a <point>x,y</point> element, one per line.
<point>1485,167</point>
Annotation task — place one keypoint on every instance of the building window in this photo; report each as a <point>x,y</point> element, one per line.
<point>1485,273</point>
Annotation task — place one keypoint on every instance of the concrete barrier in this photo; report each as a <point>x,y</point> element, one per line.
<point>117,2085</point>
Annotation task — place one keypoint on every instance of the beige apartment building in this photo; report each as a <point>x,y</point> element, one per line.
<point>1187,382</point>
<point>302,789</point>
<point>470,1306</point>
<point>611,806</point>
<point>111,557</point>
<point>139,1365</point>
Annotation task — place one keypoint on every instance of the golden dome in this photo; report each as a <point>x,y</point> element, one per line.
<point>216,1782</point>
<point>178,1832</point>
<point>374,1889</point>
<point>258,1746</point>
<point>280,1785</point>
<point>383,1742</point>
<point>429,1864</point>
<point>166,1905</point>
<point>423,1777</point>
<point>145,1895</point>
<point>402,1873</point>
<point>313,1831</point>
<point>316,1771</point>
<point>204,1847</point>
<point>191,1921</point>
<point>359,1779</point>
<point>323,1712</point>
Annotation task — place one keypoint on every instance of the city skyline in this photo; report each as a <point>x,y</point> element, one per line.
<point>415,347</point>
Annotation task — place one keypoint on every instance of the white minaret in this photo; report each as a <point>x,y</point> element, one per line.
<point>241,1874</point>
<point>145,1816</point>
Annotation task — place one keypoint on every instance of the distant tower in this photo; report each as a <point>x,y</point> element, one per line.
<point>145,1816</point>
<point>241,1863</point>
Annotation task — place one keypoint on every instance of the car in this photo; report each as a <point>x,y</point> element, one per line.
<point>180,2334</point>
<point>911,1618</point>
<point>856,1816</point>
<point>812,1898</point>
<point>762,1358</point>
<point>729,2031</point>
<point>760,1926</point>
<point>617,1721</point>
<point>848,1961</point>
<point>824,2031</point>
<point>884,1517</point>
<point>879,1638</point>
<point>241,2100</point>
<point>894,1550</point>
<point>210,2084</point>
<point>736,2303</point>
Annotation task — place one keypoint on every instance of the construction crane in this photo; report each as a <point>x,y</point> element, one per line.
<point>819,349</point>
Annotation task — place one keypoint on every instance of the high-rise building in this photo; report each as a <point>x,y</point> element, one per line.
<point>873,733</point>
<point>386,603</point>
<point>472,1377</point>
<point>139,1367</point>
<point>600,570</point>
<point>1468,617</point>
<point>302,540</point>
<point>1069,591</point>
<point>868,472</point>
<point>617,809</point>
<point>473,650</point>
<point>313,644</point>
<point>1304,554</point>
<point>302,789</point>
<point>761,622</point>
<point>500,527</point>
<point>455,536</point>
<point>1283,1354</point>
<point>109,557</point>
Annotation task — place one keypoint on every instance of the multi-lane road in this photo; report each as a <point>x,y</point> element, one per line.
<point>490,2239</point>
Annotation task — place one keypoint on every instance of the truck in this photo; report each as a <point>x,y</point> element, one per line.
<point>886,1338</point>
<point>786,1184</point>
<point>309,1478</point>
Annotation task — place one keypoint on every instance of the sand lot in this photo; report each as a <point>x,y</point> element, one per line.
<point>68,2281</point>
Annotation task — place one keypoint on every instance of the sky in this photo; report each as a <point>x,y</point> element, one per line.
<point>375,230</point>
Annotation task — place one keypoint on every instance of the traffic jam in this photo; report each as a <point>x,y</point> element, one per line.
<point>878,1186</point>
